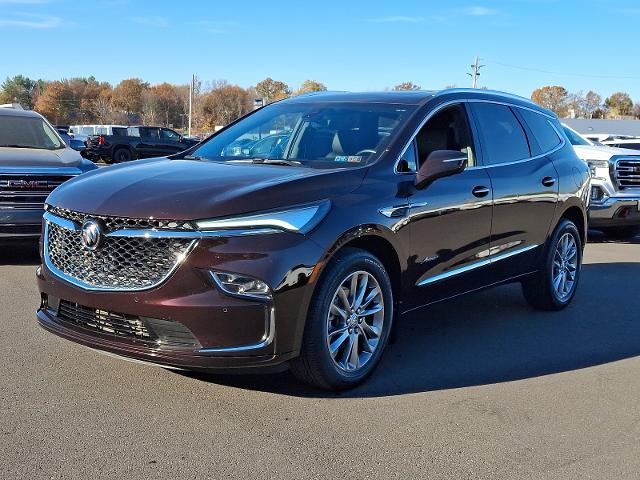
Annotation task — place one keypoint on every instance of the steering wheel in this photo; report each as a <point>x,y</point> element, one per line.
<point>366,150</point>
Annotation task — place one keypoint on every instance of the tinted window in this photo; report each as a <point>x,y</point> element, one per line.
<point>542,130</point>
<point>28,132</point>
<point>170,135</point>
<point>574,138</point>
<point>318,135</point>
<point>446,130</point>
<point>409,162</point>
<point>503,137</point>
<point>632,146</point>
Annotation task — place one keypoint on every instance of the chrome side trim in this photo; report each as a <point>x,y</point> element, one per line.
<point>473,266</point>
<point>266,340</point>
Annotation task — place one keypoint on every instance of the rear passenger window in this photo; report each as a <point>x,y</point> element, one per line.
<point>542,130</point>
<point>502,135</point>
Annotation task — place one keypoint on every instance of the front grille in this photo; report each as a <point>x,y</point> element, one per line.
<point>628,173</point>
<point>28,192</point>
<point>120,223</point>
<point>119,262</point>
<point>103,321</point>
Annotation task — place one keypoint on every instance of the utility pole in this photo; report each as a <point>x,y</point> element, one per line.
<point>191,87</point>
<point>476,72</point>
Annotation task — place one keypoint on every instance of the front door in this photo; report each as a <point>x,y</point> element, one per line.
<point>451,218</point>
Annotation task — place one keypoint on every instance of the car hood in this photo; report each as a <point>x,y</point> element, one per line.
<point>37,157</point>
<point>596,152</point>
<point>193,189</point>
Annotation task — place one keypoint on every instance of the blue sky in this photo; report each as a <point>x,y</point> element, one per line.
<point>346,44</point>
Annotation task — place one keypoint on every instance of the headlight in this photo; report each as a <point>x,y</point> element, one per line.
<point>599,169</point>
<point>299,219</point>
<point>238,285</point>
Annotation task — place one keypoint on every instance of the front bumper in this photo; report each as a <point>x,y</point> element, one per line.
<point>228,332</point>
<point>20,223</point>
<point>615,212</point>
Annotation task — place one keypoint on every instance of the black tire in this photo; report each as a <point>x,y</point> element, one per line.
<point>121,155</point>
<point>315,365</point>
<point>625,232</point>
<point>539,289</point>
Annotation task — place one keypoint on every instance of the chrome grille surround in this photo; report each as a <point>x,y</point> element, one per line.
<point>627,172</point>
<point>128,259</point>
<point>119,223</point>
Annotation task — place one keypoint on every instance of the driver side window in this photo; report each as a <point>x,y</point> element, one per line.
<point>446,130</point>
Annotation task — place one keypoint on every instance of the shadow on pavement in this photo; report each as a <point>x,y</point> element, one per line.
<point>19,252</point>
<point>492,337</point>
<point>596,236</point>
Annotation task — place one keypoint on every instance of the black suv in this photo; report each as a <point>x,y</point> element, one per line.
<point>368,207</point>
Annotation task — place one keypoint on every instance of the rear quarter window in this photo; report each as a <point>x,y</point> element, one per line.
<point>542,130</point>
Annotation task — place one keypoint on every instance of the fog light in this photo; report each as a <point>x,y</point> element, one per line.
<point>241,285</point>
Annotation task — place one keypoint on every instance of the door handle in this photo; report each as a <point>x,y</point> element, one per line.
<point>548,181</point>
<point>480,191</point>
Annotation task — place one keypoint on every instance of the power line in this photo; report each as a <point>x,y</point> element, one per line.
<point>569,74</point>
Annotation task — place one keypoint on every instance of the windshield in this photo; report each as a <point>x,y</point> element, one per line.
<point>309,134</point>
<point>28,132</point>
<point>574,137</point>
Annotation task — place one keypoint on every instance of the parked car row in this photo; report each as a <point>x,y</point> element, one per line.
<point>129,143</point>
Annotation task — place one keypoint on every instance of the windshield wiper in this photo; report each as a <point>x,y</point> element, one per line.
<point>268,161</point>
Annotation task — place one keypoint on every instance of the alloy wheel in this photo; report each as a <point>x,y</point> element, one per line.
<point>354,321</point>
<point>565,266</point>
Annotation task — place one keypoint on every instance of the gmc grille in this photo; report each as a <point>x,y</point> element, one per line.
<point>28,192</point>
<point>628,173</point>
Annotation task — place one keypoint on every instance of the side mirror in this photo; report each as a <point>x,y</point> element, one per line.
<point>440,164</point>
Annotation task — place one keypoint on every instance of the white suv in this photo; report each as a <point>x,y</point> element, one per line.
<point>615,185</point>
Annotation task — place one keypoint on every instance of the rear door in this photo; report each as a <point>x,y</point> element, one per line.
<point>525,189</point>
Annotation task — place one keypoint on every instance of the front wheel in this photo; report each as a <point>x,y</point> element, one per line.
<point>348,323</point>
<point>554,285</point>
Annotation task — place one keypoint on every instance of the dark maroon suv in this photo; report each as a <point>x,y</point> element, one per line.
<point>300,233</point>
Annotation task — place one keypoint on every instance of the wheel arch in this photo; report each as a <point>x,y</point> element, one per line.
<point>576,214</point>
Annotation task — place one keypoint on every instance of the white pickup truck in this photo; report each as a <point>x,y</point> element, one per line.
<point>615,186</point>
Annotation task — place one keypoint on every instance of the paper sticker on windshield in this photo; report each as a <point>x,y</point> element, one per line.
<point>348,158</point>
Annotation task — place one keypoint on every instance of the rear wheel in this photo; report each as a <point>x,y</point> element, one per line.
<point>348,323</point>
<point>122,155</point>
<point>554,285</point>
<point>621,232</point>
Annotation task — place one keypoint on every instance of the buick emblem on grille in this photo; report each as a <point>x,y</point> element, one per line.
<point>91,234</point>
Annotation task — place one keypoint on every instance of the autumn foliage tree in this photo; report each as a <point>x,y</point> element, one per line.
<point>224,103</point>
<point>272,90</point>
<point>56,102</point>
<point>620,104</point>
<point>127,96</point>
<point>553,98</point>
<point>309,86</point>
<point>407,86</point>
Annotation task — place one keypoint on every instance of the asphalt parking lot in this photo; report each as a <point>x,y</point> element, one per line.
<point>480,387</point>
